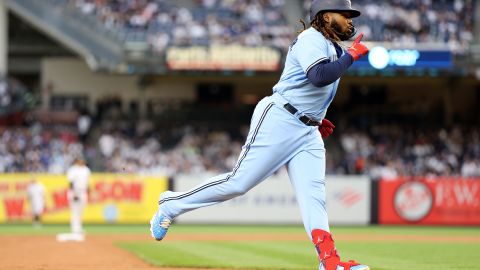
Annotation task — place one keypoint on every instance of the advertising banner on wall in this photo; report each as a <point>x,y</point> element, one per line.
<point>112,198</point>
<point>349,200</point>
<point>383,58</point>
<point>274,202</point>
<point>443,201</point>
<point>231,57</point>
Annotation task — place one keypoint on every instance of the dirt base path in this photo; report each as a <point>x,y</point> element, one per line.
<point>45,253</point>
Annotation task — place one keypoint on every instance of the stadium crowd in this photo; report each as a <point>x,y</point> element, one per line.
<point>416,21</point>
<point>384,152</point>
<point>194,152</point>
<point>38,148</point>
<point>208,22</point>
<point>391,151</point>
<point>263,22</point>
<point>14,96</point>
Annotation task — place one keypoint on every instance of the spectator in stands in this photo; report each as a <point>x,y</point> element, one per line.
<point>470,168</point>
<point>84,123</point>
<point>107,144</point>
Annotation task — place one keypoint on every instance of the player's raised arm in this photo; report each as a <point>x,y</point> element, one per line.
<point>335,28</point>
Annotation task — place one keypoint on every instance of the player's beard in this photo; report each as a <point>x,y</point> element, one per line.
<point>340,32</point>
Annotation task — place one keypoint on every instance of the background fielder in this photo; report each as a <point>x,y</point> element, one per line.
<point>78,176</point>
<point>36,196</point>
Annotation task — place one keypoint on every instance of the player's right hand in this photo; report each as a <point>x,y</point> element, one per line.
<point>326,128</point>
<point>357,50</point>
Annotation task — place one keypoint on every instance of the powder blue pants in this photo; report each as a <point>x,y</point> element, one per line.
<point>276,138</point>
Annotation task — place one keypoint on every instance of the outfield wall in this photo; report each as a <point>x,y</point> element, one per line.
<point>273,201</point>
<point>427,201</point>
<point>113,198</point>
<point>351,200</point>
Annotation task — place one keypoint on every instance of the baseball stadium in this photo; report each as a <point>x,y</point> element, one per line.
<point>239,134</point>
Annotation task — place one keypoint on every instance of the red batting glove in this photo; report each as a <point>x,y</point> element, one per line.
<point>357,49</point>
<point>326,128</point>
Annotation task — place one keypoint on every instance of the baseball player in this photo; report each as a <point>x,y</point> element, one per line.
<point>285,131</point>
<point>36,196</point>
<point>78,176</point>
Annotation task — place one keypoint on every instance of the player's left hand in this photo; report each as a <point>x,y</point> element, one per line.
<point>358,49</point>
<point>326,128</point>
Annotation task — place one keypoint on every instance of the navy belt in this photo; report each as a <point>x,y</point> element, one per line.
<point>305,119</point>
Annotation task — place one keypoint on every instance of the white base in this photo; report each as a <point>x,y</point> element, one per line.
<point>64,237</point>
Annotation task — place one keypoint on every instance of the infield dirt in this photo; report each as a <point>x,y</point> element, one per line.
<point>98,252</point>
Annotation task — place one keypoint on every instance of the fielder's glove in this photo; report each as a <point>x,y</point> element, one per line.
<point>326,128</point>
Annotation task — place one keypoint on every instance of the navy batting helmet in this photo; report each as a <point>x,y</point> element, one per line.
<point>332,6</point>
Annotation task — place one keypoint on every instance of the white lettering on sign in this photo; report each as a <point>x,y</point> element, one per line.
<point>465,195</point>
<point>380,58</point>
<point>404,57</point>
<point>231,57</point>
<point>457,194</point>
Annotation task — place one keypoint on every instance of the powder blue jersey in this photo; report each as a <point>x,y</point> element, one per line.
<point>309,49</point>
<point>278,137</point>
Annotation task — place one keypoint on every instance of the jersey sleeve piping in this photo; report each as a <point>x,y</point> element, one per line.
<point>314,63</point>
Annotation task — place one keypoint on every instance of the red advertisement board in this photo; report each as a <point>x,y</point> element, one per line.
<point>441,201</point>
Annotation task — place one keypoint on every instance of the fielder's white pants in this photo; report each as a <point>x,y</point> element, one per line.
<point>276,138</point>
<point>76,208</point>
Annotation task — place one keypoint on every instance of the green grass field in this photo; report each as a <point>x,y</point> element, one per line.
<point>380,247</point>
